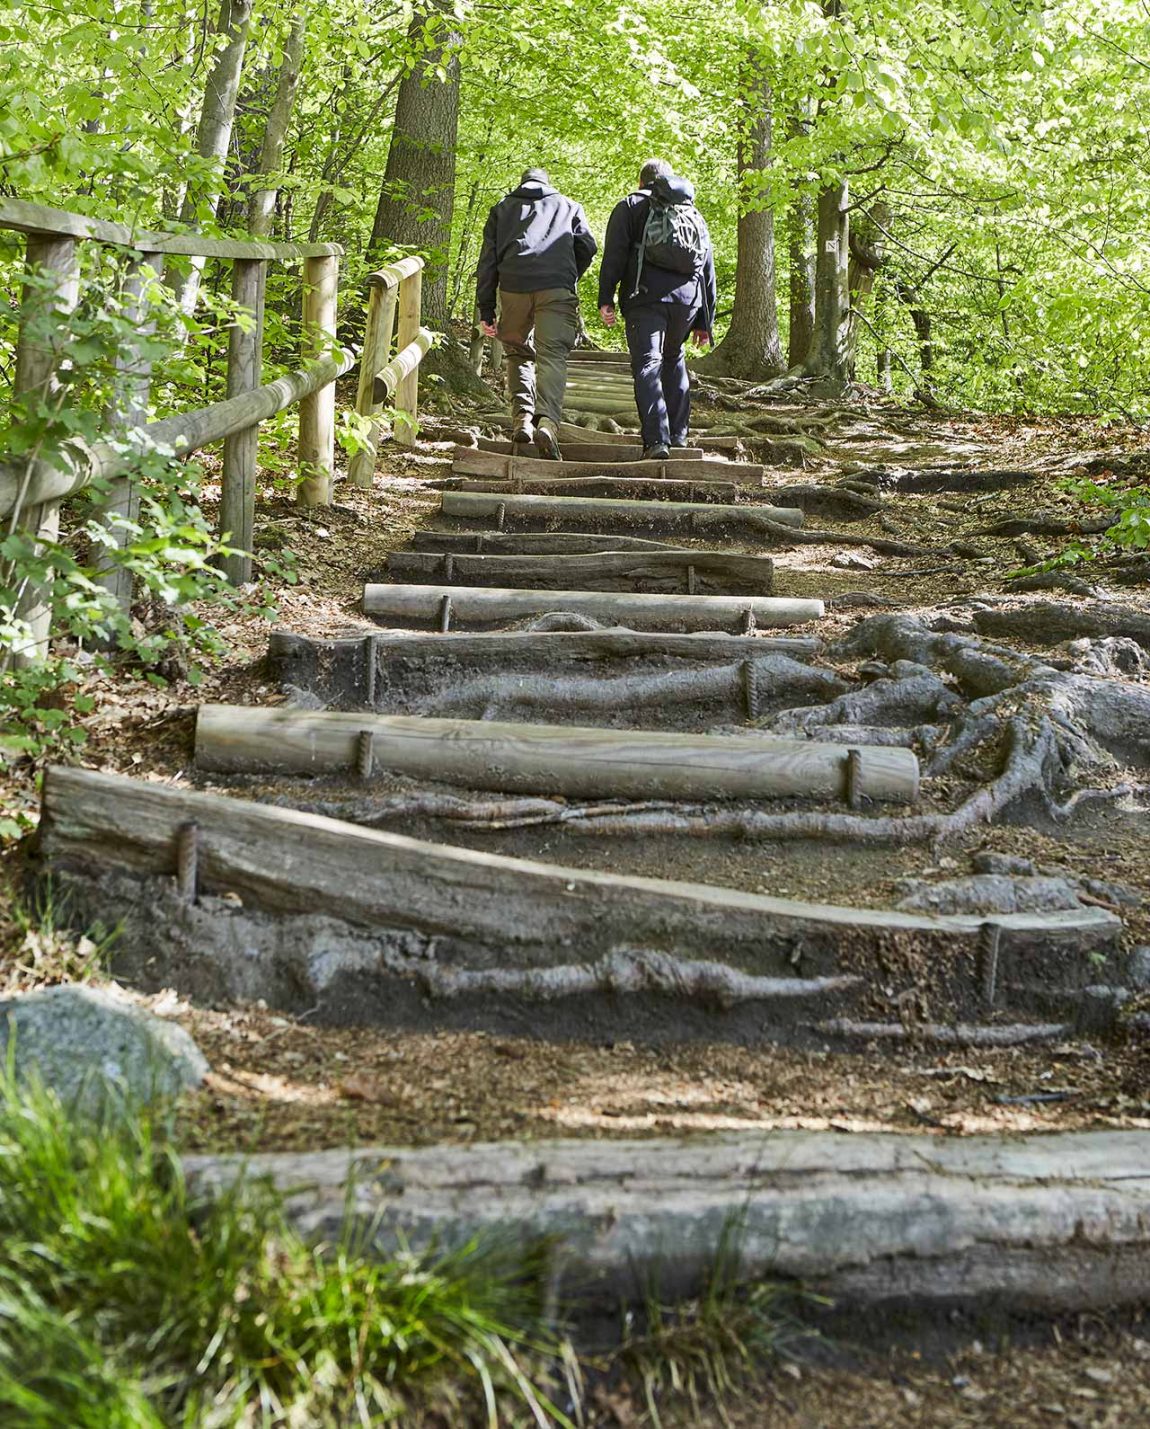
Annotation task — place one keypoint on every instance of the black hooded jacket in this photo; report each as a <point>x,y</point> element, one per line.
<point>535,238</point>
<point>657,285</point>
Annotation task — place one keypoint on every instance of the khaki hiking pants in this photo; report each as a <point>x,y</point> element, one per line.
<point>539,327</point>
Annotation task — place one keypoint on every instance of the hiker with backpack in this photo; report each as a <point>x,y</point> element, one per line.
<point>658,256</point>
<point>536,247</point>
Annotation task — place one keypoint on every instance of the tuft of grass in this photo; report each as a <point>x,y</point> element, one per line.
<point>40,949</point>
<point>710,1350</point>
<point>129,1298</point>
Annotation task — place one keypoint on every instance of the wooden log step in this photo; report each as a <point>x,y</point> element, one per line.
<point>588,451</point>
<point>470,461</point>
<point>621,679</point>
<point>378,925</point>
<point>440,605</point>
<point>591,355</point>
<point>682,518</point>
<point>623,488</point>
<point>571,432</point>
<point>532,543</point>
<point>572,761</point>
<point>686,572</point>
<point>607,405</point>
<point>1051,1224</point>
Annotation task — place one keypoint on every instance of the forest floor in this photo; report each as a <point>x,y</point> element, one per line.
<point>283,1083</point>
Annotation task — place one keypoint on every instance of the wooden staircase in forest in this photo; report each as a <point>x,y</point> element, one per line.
<point>559,633</point>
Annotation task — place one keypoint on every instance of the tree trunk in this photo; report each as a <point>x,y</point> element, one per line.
<point>751,347</point>
<point>215,134</point>
<point>261,213</point>
<point>867,254</point>
<point>829,358</point>
<point>801,252</point>
<point>417,197</point>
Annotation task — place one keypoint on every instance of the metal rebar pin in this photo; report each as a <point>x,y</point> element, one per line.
<point>188,861</point>
<point>365,753</point>
<point>445,615</point>
<point>854,794</point>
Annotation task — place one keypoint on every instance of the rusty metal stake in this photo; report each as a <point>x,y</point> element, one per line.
<point>749,621</point>
<point>750,689</point>
<point>188,861</point>
<point>445,615</point>
<point>365,753</point>
<point>500,515</point>
<point>449,567</point>
<point>370,667</point>
<point>691,580</point>
<point>991,934</point>
<point>854,794</point>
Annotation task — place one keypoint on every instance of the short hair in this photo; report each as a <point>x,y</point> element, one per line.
<point>653,169</point>
<point>535,176</point>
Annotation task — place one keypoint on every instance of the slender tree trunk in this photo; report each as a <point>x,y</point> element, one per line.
<point>262,211</point>
<point>752,347</point>
<point>884,362</point>
<point>215,134</point>
<point>417,197</point>
<point>829,355</point>
<point>801,254</point>
<point>868,250</point>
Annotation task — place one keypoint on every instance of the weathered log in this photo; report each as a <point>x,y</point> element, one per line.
<point>1050,622</point>
<point>470,461</point>
<point>533,758</point>
<point>1045,1223</point>
<point>533,543</point>
<point>692,572</point>
<point>584,512</point>
<point>480,911</point>
<point>570,432</point>
<point>477,606</point>
<point>585,451</point>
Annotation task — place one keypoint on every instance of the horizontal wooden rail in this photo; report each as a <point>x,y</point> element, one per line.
<point>394,305</point>
<point>394,273</point>
<point>402,365</point>
<point>38,220</point>
<point>185,432</point>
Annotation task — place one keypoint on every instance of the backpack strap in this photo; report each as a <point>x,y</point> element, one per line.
<point>650,197</point>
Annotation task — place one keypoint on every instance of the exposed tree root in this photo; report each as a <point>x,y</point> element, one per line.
<point>958,1035</point>
<point>1049,622</point>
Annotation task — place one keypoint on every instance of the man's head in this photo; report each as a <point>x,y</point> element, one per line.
<point>653,169</point>
<point>535,176</point>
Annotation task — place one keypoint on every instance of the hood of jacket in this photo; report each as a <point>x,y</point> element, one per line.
<point>533,191</point>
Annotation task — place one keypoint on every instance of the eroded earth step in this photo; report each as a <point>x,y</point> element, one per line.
<point>751,522</point>
<point>686,571</point>
<point>469,461</point>
<point>1050,1224</point>
<point>576,762</point>
<point>446,606</point>
<point>620,678</point>
<point>588,450</point>
<point>227,900</point>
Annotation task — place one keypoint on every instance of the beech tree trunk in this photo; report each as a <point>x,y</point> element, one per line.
<point>214,136</point>
<point>262,211</point>
<point>417,197</point>
<point>867,254</point>
<point>801,255</point>
<point>752,348</point>
<point>829,357</point>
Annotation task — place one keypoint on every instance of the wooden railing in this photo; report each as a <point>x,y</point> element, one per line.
<point>31,490</point>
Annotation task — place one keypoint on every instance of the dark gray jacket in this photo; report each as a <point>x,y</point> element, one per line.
<point>535,238</point>
<point>657,285</point>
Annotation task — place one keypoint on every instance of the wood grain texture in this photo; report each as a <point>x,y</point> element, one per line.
<point>578,762</point>
<point>682,572</point>
<point>472,461</point>
<point>472,605</point>
<point>589,451</point>
<point>687,518</point>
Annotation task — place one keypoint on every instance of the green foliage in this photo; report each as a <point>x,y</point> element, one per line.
<point>129,1297</point>
<point>1129,506</point>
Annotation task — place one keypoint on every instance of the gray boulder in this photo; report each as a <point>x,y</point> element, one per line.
<point>92,1047</point>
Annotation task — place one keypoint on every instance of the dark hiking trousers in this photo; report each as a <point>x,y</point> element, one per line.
<point>551,318</point>
<point>655,336</point>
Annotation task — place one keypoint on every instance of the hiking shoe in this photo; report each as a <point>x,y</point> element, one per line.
<point>547,440</point>
<point>658,452</point>
<point>523,433</point>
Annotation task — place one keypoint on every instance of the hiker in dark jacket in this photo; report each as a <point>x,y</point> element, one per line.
<point>536,247</point>
<point>660,307</point>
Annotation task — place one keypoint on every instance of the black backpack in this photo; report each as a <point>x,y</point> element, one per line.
<point>675,236</point>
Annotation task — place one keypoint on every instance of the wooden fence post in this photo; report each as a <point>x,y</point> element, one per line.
<point>407,396</point>
<point>127,409</point>
<point>37,360</point>
<point>317,412</point>
<point>376,351</point>
<point>245,362</point>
